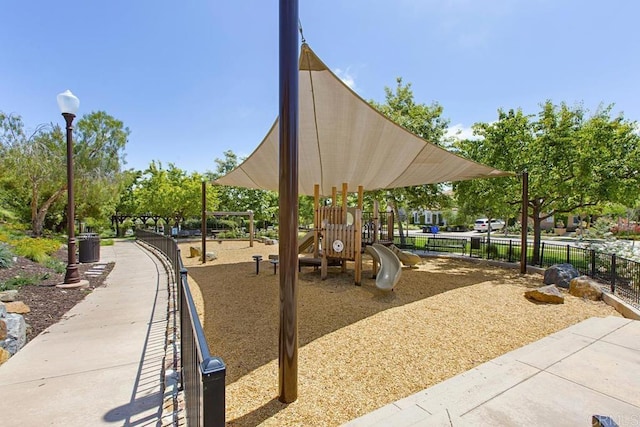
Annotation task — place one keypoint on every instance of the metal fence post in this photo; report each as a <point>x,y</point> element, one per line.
<point>213,392</point>
<point>592,256</point>
<point>613,273</point>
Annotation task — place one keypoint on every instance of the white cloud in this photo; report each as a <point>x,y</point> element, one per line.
<point>346,77</point>
<point>459,131</point>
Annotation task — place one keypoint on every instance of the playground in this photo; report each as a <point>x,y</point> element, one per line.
<point>362,347</point>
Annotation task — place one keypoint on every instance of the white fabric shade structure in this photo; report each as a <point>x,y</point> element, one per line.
<point>342,139</point>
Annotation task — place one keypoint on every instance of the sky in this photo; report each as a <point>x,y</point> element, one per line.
<point>196,78</point>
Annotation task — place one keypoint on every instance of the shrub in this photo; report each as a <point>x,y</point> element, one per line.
<point>55,265</point>
<point>6,256</point>
<point>492,251</point>
<point>106,242</point>
<point>231,234</point>
<point>20,281</point>
<point>36,249</point>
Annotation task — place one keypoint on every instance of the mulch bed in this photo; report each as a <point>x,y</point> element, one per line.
<point>361,348</point>
<point>47,303</point>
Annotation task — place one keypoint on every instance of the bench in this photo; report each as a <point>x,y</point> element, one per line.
<point>436,243</point>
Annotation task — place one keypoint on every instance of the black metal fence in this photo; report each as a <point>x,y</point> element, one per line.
<point>202,375</point>
<point>621,274</point>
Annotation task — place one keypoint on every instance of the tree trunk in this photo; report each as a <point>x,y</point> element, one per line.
<point>537,235</point>
<point>396,214</point>
<point>38,215</point>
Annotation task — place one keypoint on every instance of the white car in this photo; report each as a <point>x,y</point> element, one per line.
<point>482,225</point>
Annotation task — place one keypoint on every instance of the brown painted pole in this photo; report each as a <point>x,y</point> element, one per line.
<point>72,275</point>
<point>288,218</point>
<point>251,229</point>
<point>525,222</point>
<point>204,222</point>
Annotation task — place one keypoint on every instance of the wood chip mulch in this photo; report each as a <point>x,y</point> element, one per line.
<point>361,348</point>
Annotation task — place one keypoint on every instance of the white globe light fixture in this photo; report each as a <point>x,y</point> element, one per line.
<point>68,102</point>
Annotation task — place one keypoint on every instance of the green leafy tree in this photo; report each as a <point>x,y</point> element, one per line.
<point>171,193</point>
<point>264,204</point>
<point>35,164</point>
<point>574,162</point>
<point>425,121</point>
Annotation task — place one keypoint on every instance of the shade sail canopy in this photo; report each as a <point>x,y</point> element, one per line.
<point>342,139</point>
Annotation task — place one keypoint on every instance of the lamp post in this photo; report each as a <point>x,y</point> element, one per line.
<point>69,104</point>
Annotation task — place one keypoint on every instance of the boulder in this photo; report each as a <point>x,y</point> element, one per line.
<point>194,252</point>
<point>3,330</point>
<point>585,287</point>
<point>270,241</point>
<point>17,307</point>
<point>549,294</point>
<point>4,355</point>
<point>560,275</point>
<point>9,296</point>
<point>211,256</point>
<point>16,333</point>
<point>3,310</point>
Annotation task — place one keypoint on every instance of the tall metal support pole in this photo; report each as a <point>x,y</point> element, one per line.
<point>72,275</point>
<point>525,222</point>
<point>288,186</point>
<point>204,222</point>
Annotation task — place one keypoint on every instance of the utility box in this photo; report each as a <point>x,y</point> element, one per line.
<point>88,247</point>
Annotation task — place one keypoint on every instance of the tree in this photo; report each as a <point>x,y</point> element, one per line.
<point>574,161</point>
<point>425,121</point>
<point>264,204</point>
<point>171,193</point>
<point>35,164</point>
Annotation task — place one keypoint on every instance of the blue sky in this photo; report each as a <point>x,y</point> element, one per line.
<point>193,79</point>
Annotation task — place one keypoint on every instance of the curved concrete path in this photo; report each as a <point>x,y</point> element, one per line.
<point>103,363</point>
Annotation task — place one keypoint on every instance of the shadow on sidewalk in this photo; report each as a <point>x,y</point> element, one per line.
<point>145,405</point>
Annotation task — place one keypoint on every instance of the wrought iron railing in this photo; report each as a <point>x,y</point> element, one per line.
<point>621,274</point>
<point>202,375</point>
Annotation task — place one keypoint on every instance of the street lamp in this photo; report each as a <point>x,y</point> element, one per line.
<point>68,104</point>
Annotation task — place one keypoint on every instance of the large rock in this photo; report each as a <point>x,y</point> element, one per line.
<point>4,355</point>
<point>3,310</point>
<point>16,333</point>
<point>17,307</point>
<point>211,256</point>
<point>194,252</point>
<point>560,275</point>
<point>549,294</point>
<point>585,287</point>
<point>8,296</point>
<point>3,330</point>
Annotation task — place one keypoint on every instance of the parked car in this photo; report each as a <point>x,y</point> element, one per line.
<point>482,225</point>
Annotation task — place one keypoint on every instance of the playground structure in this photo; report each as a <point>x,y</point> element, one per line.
<point>338,237</point>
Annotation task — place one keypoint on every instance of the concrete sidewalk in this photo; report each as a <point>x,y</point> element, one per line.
<point>592,368</point>
<point>103,363</point>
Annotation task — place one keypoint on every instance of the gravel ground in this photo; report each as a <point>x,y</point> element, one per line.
<point>361,348</point>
